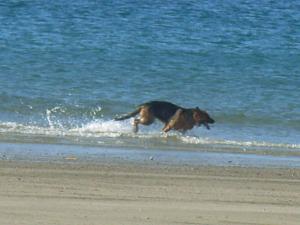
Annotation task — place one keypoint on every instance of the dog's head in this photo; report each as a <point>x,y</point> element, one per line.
<point>201,117</point>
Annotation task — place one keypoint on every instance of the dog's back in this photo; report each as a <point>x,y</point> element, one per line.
<point>162,110</point>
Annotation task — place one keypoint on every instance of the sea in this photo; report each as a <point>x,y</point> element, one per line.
<point>67,68</point>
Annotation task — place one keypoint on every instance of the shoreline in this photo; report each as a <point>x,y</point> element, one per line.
<point>80,154</point>
<point>130,193</point>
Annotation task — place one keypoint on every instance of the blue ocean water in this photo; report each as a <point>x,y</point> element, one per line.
<point>68,67</point>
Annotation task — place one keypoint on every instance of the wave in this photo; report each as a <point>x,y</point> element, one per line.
<point>46,110</point>
<point>197,140</point>
<point>42,107</point>
<point>262,119</point>
<point>119,134</point>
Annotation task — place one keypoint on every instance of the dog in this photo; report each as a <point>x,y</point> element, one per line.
<point>173,116</point>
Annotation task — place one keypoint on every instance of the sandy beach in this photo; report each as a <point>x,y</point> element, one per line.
<point>119,194</point>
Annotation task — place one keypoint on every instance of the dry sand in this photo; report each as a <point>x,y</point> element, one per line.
<point>111,194</point>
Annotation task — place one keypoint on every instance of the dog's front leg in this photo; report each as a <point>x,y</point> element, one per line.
<point>135,125</point>
<point>173,121</point>
<point>167,127</point>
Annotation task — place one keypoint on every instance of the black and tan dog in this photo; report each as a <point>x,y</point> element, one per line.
<point>173,116</point>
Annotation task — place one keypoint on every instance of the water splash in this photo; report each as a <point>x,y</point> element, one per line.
<point>119,133</point>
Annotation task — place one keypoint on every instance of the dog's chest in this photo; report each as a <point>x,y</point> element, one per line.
<point>185,121</point>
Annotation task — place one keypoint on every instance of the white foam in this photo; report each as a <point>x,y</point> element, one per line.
<point>199,140</point>
<point>114,129</point>
<point>102,128</point>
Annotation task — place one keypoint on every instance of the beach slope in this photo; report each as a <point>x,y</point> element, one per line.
<point>127,194</point>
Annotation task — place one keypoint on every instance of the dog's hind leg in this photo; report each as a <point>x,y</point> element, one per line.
<point>143,121</point>
<point>146,118</point>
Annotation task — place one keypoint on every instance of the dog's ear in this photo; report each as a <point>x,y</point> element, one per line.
<point>197,115</point>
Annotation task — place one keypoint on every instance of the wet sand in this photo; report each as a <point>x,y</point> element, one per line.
<point>130,193</point>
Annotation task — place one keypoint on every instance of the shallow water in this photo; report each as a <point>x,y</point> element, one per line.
<point>95,155</point>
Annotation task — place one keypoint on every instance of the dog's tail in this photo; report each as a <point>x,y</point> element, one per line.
<point>128,115</point>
